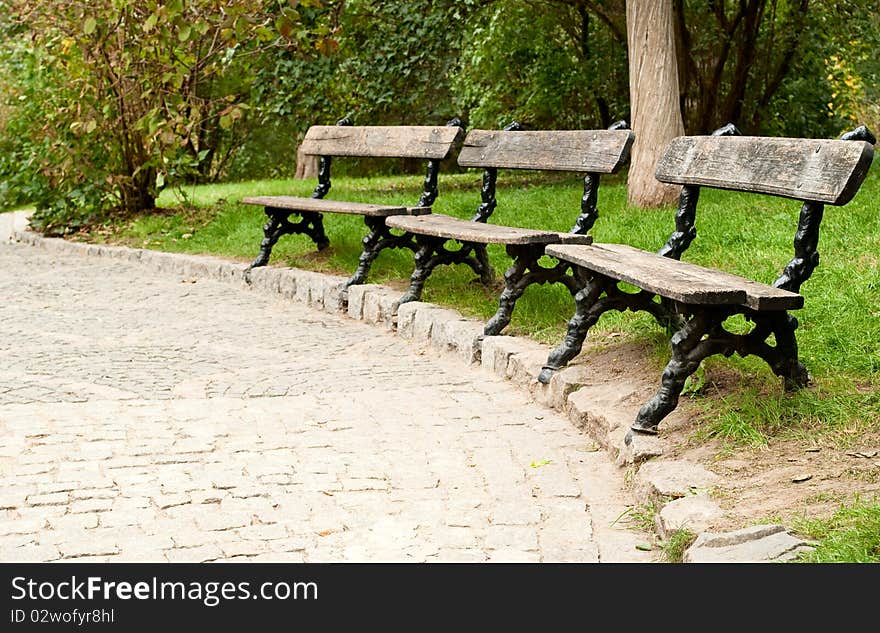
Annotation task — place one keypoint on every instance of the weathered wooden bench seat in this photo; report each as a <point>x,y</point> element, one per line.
<point>431,143</point>
<point>593,152</point>
<point>701,299</point>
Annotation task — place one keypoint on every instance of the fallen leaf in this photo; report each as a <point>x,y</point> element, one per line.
<point>543,462</point>
<point>812,449</point>
<point>326,532</point>
<point>801,478</point>
<point>327,492</point>
<point>186,236</point>
<point>644,547</point>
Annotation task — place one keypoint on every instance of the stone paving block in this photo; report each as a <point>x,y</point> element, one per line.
<point>695,513</point>
<point>201,554</point>
<point>639,449</point>
<point>356,295</point>
<point>452,555</point>
<point>601,409</point>
<point>380,307</point>
<point>513,555</point>
<point>334,294</point>
<point>658,480</point>
<point>10,526</point>
<point>758,544</point>
<point>75,546</point>
<point>73,522</point>
<point>287,283</point>
<point>524,367</point>
<point>12,497</point>
<point>265,279</point>
<point>280,557</point>
<point>495,352</point>
<point>48,499</point>
<point>233,272</point>
<point>562,384</point>
<point>406,316</point>
<point>460,337</point>
<point>570,553</point>
<point>514,514</point>
<point>29,554</point>
<point>429,321</point>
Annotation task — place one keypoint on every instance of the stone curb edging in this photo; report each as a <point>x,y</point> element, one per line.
<point>677,489</point>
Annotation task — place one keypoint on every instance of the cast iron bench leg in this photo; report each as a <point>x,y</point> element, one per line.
<point>703,335</point>
<point>379,238</point>
<point>524,272</point>
<point>590,305</point>
<point>432,252</point>
<point>311,224</point>
<point>688,351</point>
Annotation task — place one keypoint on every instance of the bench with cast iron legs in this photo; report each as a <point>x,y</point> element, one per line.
<point>593,152</point>
<point>431,143</point>
<point>701,299</point>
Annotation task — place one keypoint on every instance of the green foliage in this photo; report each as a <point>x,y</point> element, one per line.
<point>134,96</point>
<point>104,104</point>
<point>548,66</point>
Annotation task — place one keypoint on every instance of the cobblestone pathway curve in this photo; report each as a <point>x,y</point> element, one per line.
<point>146,416</point>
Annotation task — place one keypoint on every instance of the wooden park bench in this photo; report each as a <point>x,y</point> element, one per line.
<point>431,143</point>
<point>593,152</point>
<point>816,172</point>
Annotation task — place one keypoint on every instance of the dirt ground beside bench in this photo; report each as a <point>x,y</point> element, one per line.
<point>781,481</point>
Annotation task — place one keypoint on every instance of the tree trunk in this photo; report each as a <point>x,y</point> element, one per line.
<point>654,97</point>
<point>306,165</point>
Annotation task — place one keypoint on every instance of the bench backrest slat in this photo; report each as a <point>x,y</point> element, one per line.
<point>818,170</point>
<point>599,151</point>
<point>399,141</point>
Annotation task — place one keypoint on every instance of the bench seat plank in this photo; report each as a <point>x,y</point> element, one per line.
<point>437,225</point>
<point>601,151</point>
<point>318,205</point>
<point>677,280</point>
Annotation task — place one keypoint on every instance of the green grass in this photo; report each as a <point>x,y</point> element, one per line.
<point>851,535</point>
<point>741,402</point>
<point>675,545</point>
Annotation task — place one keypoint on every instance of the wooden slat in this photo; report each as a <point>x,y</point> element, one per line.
<point>681,281</point>
<point>439,225</point>
<point>601,151</point>
<point>759,296</point>
<point>393,141</point>
<point>333,206</point>
<point>820,170</point>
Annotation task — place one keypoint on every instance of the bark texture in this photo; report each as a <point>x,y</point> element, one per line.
<point>654,97</point>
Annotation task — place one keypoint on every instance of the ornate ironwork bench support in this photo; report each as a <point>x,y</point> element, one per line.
<point>432,252</point>
<point>378,239</point>
<point>600,295</point>
<point>703,335</point>
<point>524,272</point>
<point>311,224</point>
